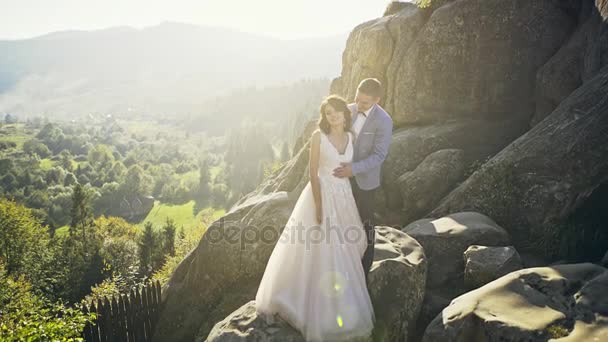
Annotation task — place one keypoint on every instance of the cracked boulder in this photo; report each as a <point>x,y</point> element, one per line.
<point>539,180</point>
<point>371,46</point>
<point>578,60</point>
<point>559,303</point>
<point>422,188</point>
<point>477,58</point>
<point>445,239</point>
<point>478,139</point>
<point>483,264</point>
<point>397,281</point>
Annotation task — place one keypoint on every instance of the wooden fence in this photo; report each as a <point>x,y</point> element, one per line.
<point>128,318</point>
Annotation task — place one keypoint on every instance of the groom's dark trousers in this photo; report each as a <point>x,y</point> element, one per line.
<point>365,205</point>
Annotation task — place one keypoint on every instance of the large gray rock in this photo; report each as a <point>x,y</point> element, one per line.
<point>397,281</point>
<point>445,239</point>
<point>579,59</point>
<point>477,58</point>
<point>371,47</point>
<point>561,303</point>
<point>540,179</point>
<point>483,264</point>
<point>422,188</point>
<point>396,285</point>
<point>229,260</point>
<point>478,139</point>
<point>244,324</point>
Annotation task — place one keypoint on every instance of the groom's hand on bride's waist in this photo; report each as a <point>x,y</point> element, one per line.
<point>344,170</point>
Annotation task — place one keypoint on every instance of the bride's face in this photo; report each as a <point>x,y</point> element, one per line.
<point>333,117</point>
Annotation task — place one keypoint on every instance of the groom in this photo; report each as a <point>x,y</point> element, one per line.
<point>373,128</point>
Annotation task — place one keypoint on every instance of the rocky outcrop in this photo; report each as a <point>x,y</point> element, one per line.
<point>445,239</point>
<point>477,58</point>
<point>478,139</point>
<point>542,177</point>
<point>562,303</point>
<point>223,271</point>
<point>483,264</point>
<point>244,324</point>
<point>464,75</point>
<point>371,47</point>
<point>397,281</point>
<point>469,59</point>
<point>396,284</point>
<point>422,188</point>
<point>578,60</point>
<point>394,7</point>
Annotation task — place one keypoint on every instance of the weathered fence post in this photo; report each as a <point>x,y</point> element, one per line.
<point>131,317</point>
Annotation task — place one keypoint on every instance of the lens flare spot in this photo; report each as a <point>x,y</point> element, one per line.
<point>339,321</point>
<point>332,284</point>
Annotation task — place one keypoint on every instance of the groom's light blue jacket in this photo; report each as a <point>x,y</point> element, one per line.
<point>371,146</point>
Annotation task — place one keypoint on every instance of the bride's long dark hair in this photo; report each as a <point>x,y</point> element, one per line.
<point>340,105</point>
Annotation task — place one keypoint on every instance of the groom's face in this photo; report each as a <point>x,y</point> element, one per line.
<point>364,101</point>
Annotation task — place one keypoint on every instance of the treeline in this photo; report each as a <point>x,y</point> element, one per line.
<point>45,279</point>
<point>119,168</point>
<point>116,168</point>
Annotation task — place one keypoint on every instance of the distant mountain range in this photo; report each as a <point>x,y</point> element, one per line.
<point>171,68</point>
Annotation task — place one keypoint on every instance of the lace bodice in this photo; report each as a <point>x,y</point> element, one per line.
<point>330,158</point>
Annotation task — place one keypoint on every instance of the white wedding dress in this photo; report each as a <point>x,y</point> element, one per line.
<point>314,278</point>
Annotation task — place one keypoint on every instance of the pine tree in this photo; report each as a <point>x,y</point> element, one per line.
<point>82,214</point>
<point>146,249</point>
<point>169,238</point>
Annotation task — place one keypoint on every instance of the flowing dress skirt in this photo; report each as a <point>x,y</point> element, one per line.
<point>314,278</point>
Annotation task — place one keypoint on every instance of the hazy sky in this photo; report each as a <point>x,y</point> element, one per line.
<point>279,18</point>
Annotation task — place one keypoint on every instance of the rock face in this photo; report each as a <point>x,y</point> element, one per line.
<point>245,324</point>
<point>578,60</point>
<point>478,139</point>
<point>445,239</point>
<point>562,303</point>
<point>466,75</point>
<point>372,45</point>
<point>229,259</point>
<point>542,177</point>
<point>396,284</point>
<point>484,264</point>
<point>498,44</point>
<point>422,188</point>
<point>469,59</point>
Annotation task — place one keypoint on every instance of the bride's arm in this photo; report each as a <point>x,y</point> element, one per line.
<point>314,167</point>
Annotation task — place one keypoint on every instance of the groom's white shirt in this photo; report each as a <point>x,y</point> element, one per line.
<point>360,120</point>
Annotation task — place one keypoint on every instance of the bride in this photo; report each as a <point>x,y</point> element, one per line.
<point>314,278</point>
